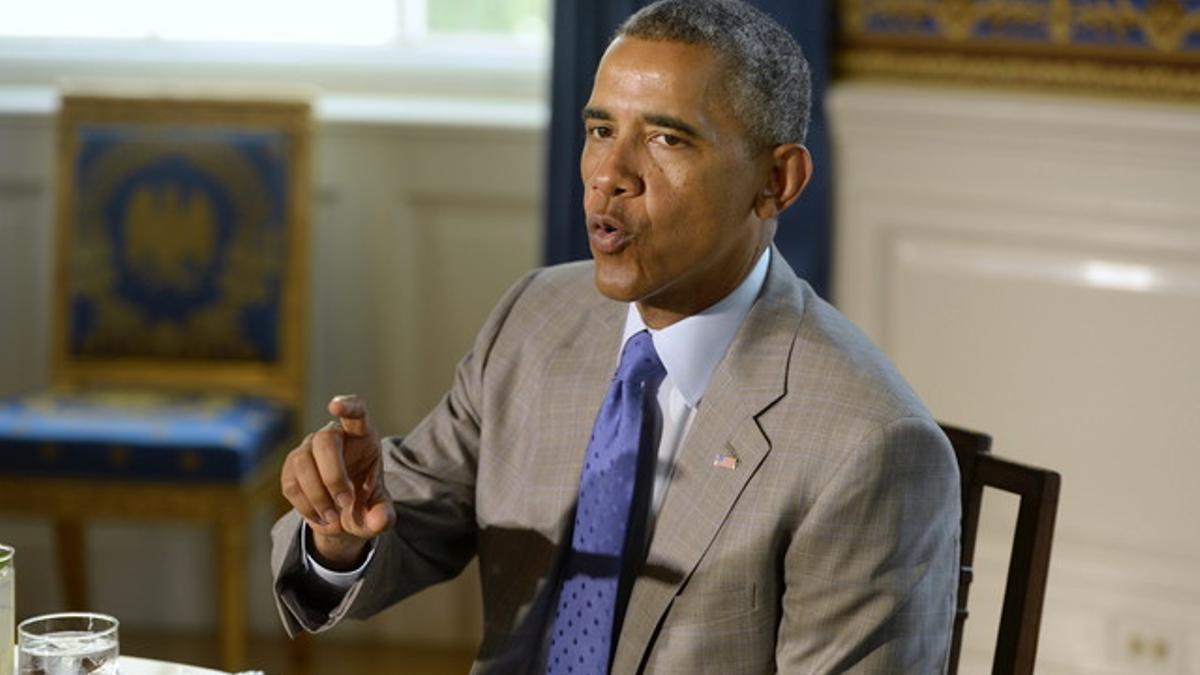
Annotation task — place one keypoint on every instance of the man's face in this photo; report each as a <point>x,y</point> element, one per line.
<point>670,181</point>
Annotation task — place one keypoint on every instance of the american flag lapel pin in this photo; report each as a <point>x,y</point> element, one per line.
<point>725,461</point>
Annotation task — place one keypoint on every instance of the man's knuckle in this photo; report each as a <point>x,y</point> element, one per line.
<point>323,452</point>
<point>320,500</point>
<point>298,451</point>
<point>307,470</point>
<point>325,441</point>
<point>295,461</point>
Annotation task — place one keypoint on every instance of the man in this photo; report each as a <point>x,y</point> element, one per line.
<point>759,491</point>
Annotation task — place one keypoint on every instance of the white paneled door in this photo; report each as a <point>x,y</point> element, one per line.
<point>1032,264</point>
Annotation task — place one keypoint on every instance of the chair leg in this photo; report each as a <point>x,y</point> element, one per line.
<point>300,654</point>
<point>231,564</point>
<point>72,562</point>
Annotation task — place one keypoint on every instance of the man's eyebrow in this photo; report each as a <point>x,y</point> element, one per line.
<point>671,122</point>
<point>596,114</point>
<point>656,119</point>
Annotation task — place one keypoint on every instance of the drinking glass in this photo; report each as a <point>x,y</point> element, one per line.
<point>68,644</point>
<point>7,608</point>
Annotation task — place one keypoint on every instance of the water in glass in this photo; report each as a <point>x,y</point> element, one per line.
<point>68,644</point>
<point>7,609</point>
<point>70,653</point>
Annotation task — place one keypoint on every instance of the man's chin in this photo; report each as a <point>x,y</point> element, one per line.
<point>616,286</point>
<point>618,293</point>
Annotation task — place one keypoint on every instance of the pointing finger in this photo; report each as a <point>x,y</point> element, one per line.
<point>351,410</point>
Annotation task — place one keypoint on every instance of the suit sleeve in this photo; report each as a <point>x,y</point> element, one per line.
<point>871,574</point>
<point>430,475</point>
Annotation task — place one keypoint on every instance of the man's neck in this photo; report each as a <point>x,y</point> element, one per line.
<point>658,312</point>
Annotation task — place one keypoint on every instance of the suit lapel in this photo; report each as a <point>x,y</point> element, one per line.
<point>577,377</point>
<point>751,377</point>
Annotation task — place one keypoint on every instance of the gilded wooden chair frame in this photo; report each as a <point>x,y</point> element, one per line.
<point>225,508</point>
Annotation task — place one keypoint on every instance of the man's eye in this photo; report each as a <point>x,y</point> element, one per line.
<point>600,132</point>
<point>668,140</point>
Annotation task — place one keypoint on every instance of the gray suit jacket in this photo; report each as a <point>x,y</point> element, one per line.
<point>832,546</point>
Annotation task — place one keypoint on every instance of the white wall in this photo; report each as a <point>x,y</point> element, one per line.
<point>417,230</point>
<point>1032,264</point>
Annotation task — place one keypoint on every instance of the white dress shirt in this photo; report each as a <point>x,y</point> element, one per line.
<point>690,350</point>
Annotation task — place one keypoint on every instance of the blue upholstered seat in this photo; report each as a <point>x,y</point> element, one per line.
<point>125,434</point>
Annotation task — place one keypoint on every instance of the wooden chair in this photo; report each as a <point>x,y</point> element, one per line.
<point>1029,562</point>
<point>178,355</point>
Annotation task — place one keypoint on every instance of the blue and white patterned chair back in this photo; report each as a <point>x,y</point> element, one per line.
<point>180,291</point>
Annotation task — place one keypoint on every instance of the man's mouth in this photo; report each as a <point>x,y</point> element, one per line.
<point>607,234</point>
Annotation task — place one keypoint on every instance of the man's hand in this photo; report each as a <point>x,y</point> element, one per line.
<point>334,480</point>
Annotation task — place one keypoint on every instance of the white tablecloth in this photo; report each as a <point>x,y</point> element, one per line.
<point>131,665</point>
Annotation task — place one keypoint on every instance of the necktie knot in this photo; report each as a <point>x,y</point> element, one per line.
<point>639,362</point>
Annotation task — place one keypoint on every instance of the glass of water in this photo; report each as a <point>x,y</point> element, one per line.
<point>68,644</point>
<point>7,608</point>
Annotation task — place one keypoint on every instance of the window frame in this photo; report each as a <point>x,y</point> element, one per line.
<point>417,79</point>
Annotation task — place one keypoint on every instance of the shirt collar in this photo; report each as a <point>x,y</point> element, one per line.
<point>692,347</point>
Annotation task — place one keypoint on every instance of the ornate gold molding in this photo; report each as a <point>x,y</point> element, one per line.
<point>1110,46</point>
<point>1077,75</point>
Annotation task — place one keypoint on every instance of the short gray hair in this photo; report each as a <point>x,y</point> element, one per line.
<point>769,88</point>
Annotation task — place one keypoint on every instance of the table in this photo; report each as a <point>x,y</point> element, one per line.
<point>131,665</point>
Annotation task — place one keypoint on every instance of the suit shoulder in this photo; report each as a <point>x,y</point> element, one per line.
<point>556,293</point>
<point>844,399</point>
<point>834,361</point>
<point>573,279</point>
<point>551,306</point>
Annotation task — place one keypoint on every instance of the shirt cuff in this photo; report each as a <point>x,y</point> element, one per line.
<point>341,581</point>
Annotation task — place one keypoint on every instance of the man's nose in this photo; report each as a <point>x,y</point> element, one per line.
<point>617,174</point>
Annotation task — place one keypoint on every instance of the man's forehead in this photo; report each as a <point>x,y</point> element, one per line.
<point>644,77</point>
<point>663,83</point>
<point>655,64</point>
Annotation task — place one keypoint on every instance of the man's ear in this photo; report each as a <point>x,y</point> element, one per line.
<point>791,168</point>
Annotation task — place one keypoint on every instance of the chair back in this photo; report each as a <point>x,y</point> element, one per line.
<point>1029,562</point>
<point>182,235</point>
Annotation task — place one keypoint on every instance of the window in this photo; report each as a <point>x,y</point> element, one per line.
<point>430,53</point>
<point>312,22</point>
<point>524,19</point>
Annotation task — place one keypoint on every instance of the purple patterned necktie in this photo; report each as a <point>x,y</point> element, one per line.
<point>581,639</point>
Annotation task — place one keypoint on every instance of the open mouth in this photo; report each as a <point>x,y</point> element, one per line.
<point>607,235</point>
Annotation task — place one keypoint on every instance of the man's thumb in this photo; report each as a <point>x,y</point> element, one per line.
<point>380,517</point>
